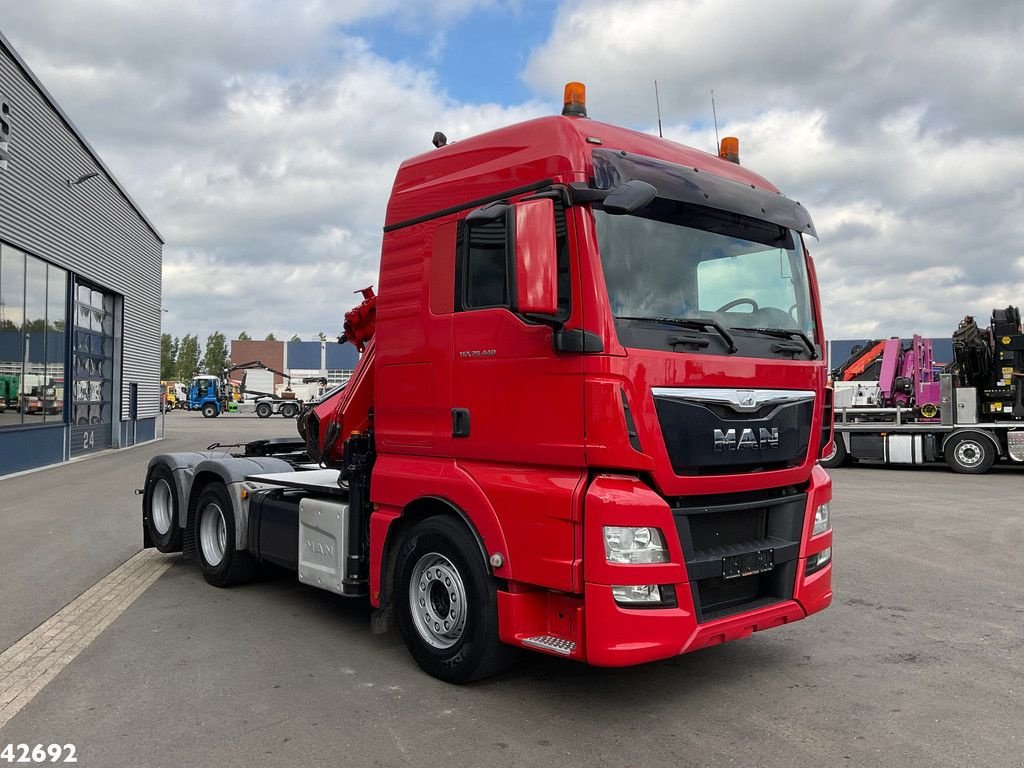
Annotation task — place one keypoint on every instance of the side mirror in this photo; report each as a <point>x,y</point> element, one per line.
<point>536,257</point>
<point>629,197</point>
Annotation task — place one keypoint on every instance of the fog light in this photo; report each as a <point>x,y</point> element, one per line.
<point>818,561</point>
<point>644,594</point>
<point>634,545</point>
<point>822,520</point>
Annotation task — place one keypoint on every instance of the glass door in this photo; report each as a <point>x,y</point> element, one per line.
<point>92,404</point>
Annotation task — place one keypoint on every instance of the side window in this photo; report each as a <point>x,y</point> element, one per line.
<point>484,263</point>
<point>485,268</point>
<point>564,270</point>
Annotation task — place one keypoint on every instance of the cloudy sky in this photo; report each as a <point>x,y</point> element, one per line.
<point>262,137</point>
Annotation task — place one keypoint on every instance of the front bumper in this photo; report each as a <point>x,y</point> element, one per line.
<point>617,635</point>
<point>606,633</point>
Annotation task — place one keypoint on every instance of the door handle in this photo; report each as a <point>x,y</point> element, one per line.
<point>460,422</point>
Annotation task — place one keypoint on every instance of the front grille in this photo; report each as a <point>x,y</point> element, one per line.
<point>704,438</point>
<point>714,530</point>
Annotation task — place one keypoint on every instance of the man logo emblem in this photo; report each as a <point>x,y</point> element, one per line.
<point>727,440</point>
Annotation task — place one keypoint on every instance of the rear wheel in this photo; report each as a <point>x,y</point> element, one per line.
<point>263,410</point>
<point>209,410</point>
<point>289,410</point>
<point>839,455</point>
<point>969,454</point>
<point>160,510</point>
<point>221,562</point>
<point>447,605</point>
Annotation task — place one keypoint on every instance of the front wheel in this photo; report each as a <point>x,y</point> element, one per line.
<point>447,605</point>
<point>838,457</point>
<point>220,561</point>
<point>209,410</point>
<point>969,454</point>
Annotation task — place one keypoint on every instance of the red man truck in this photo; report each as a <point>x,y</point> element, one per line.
<point>586,419</point>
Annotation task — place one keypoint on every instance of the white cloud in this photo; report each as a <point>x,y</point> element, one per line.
<point>262,137</point>
<point>897,125</point>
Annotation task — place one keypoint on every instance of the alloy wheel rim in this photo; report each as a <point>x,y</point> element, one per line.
<point>437,601</point>
<point>968,453</point>
<point>161,510</point>
<point>213,534</point>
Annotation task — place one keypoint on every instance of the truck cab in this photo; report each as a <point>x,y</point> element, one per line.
<point>206,394</point>
<point>639,454</point>
<point>586,419</point>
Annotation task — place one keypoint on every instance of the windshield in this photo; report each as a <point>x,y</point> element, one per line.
<point>680,261</point>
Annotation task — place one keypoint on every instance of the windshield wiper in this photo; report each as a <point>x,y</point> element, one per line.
<point>688,322</point>
<point>784,333</point>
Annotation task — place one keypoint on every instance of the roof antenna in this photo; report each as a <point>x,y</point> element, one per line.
<point>657,102</point>
<point>715,115</point>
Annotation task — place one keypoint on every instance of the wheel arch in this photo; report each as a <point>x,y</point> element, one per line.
<point>180,466</point>
<point>412,513</point>
<point>974,431</point>
<point>231,471</point>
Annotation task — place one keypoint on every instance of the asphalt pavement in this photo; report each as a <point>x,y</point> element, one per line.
<point>919,661</point>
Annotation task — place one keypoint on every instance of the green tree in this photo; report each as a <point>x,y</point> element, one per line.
<point>295,338</point>
<point>271,337</point>
<point>168,357</point>
<point>188,357</point>
<point>216,358</point>
<point>243,336</point>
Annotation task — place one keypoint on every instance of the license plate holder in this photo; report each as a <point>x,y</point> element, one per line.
<point>748,564</point>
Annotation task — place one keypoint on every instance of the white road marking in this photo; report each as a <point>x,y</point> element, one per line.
<point>32,662</point>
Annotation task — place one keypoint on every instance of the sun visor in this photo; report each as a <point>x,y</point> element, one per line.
<point>687,185</point>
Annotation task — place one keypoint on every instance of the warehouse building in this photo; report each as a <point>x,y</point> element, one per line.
<point>299,359</point>
<point>79,289</point>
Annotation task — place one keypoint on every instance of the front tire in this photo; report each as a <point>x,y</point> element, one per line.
<point>969,454</point>
<point>447,605</point>
<point>209,410</point>
<point>160,511</point>
<point>838,457</point>
<point>221,563</point>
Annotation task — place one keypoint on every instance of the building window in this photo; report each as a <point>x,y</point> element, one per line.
<point>91,416</point>
<point>338,376</point>
<point>33,339</point>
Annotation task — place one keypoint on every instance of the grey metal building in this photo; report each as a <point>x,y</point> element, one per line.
<point>79,289</point>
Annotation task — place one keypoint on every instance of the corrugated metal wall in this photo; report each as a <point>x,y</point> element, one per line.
<point>90,228</point>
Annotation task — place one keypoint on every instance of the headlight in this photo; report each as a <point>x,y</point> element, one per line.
<point>634,545</point>
<point>821,520</point>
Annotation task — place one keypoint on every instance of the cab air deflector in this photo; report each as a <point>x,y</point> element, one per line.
<point>688,185</point>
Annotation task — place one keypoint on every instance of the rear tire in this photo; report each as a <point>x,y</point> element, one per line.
<point>838,457</point>
<point>289,410</point>
<point>209,410</point>
<point>221,563</point>
<point>160,513</point>
<point>447,605</point>
<point>969,454</point>
<point>263,410</point>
